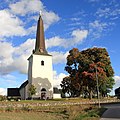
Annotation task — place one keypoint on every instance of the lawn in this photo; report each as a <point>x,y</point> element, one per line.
<point>75,112</point>
<point>30,116</point>
<point>63,109</point>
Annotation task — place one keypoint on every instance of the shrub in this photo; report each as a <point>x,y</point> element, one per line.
<point>9,109</point>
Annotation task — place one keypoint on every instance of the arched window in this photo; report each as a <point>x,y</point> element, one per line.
<point>42,63</point>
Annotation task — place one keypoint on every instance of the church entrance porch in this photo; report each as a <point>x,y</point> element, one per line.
<point>43,94</point>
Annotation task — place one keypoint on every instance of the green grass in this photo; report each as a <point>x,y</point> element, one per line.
<point>59,100</point>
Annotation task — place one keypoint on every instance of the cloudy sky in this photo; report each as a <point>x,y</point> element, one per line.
<point>79,23</point>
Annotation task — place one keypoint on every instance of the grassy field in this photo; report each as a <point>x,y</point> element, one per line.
<point>75,112</point>
<point>49,110</point>
<point>30,116</point>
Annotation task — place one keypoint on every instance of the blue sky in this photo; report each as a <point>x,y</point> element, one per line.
<point>79,23</point>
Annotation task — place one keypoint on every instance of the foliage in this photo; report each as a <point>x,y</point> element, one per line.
<point>2,98</point>
<point>83,68</point>
<point>32,90</point>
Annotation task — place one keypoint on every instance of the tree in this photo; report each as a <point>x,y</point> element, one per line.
<point>32,90</point>
<point>82,67</point>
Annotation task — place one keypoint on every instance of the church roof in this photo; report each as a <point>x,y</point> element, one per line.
<point>24,84</point>
<point>13,92</point>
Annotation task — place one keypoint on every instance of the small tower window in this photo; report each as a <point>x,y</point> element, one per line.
<point>42,62</point>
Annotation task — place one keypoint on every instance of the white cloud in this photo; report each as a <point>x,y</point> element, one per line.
<point>6,57</point>
<point>15,58</point>
<point>3,91</point>
<point>10,25</point>
<point>20,64</point>
<point>75,19</point>
<point>25,48</point>
<point>103,12</point>
<point>58,78</point>
<point>32,29</point>
<point>6,50</point>
<point>77,37</point>
<point>9,79</point>
<point>108,12</point>
<point>59,57</point>
<point>97,28</point>
<point>49,18</point>
<point>24,7</point>
<point>117,78</point>
<point>117,81</point>
<point>22,53</point>
<point>98,25</point>
<point>54,41</point>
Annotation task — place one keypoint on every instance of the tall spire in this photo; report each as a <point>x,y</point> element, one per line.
<point>40,41</point>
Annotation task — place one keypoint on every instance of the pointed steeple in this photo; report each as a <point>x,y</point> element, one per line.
<point>40,41</point>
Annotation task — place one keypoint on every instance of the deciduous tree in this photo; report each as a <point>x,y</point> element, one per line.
<point>83,67</point>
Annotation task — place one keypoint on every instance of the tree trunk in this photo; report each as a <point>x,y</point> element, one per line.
<point>90,94</point>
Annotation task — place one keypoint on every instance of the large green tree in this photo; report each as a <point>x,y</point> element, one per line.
<point>83,68</point>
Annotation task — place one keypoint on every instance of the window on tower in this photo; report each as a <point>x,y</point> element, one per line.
<point>42,63</point>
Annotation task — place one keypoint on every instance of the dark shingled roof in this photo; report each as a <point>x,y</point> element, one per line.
<point>15,92</point>
<point>12,92</point>
<point>24,84</point>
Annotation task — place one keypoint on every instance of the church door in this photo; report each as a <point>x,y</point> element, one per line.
<point>43,94</point>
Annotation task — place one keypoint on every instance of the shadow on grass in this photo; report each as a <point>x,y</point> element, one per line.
<point>91,114</point>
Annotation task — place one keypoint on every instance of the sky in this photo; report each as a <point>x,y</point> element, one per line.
<point>68,24</point>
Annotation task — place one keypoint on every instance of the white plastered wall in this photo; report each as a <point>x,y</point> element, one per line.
<point>41,76</point>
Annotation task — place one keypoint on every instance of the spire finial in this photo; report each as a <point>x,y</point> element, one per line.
<point>40,13</point>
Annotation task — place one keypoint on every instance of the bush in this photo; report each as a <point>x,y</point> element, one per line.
<point>26,108</point>
<point>90,113</point>
<point>9,109</point>
<point>2,98</point>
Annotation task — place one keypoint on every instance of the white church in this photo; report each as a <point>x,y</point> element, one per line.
<point>40,71</point>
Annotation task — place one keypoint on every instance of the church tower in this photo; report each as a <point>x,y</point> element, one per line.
<point>40,73</point>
